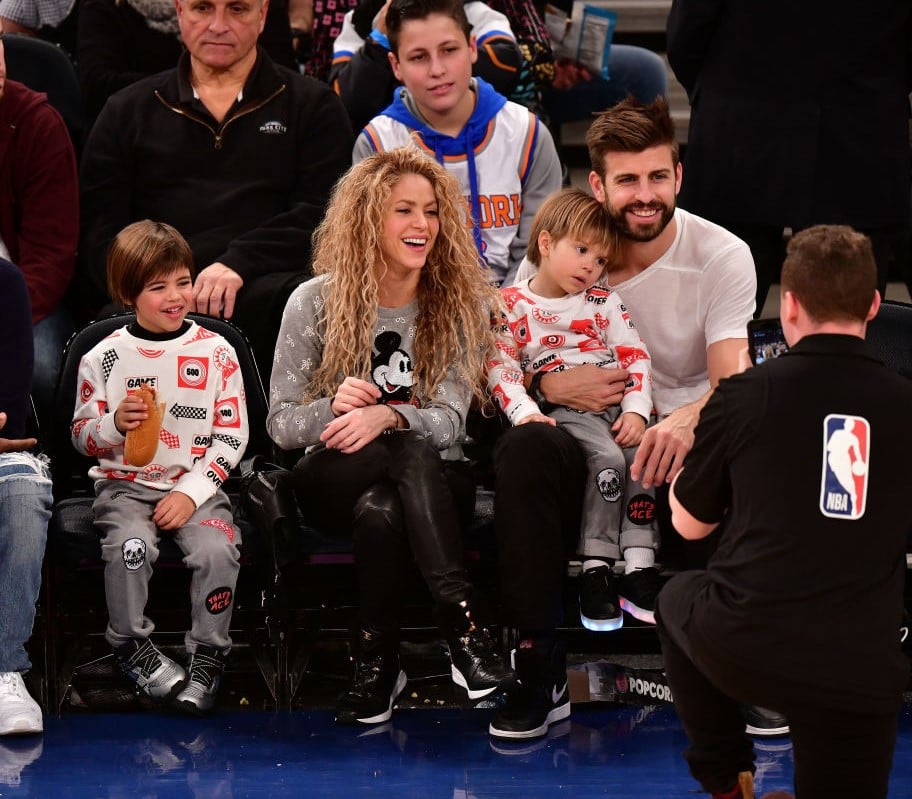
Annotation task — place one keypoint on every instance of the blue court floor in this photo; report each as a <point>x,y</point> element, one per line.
<point>620,751</point>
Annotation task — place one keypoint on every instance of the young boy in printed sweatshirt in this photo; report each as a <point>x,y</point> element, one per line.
<point>561,318</point>
<point>200,431</point>
<point>502,154</point>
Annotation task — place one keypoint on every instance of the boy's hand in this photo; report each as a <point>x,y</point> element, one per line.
<point>353,430</point>
<point>131,411</point>
<point>537,417</point>
<point>628,429</point>
<point>173,511</point>
<point>354,393</point>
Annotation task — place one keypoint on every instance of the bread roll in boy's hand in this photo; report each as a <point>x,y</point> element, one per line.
<point>142,441</point>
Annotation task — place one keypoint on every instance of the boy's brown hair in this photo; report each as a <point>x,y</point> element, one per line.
<point>831,271</point>
<point>402,11</point>
<point>573,212</point>
<point>141,252</point>
<point>631,127</point>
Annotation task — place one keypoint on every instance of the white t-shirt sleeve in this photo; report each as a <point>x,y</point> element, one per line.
<point>729,291</point>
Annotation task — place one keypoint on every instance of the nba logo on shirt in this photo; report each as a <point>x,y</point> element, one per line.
<point>846,457</point>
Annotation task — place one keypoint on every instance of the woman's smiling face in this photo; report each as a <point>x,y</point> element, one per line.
<point>410,225</point>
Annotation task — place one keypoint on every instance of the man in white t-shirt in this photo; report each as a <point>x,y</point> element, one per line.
<point>685,280</point>
<point>689,286</point>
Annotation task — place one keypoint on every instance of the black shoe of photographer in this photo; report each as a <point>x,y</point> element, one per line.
<point>764,723</point>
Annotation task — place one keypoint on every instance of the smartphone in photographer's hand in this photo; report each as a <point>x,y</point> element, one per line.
<point>765,340</point>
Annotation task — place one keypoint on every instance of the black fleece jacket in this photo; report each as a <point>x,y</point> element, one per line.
<point>246,192</point>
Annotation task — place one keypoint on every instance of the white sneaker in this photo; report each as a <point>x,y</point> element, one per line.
<point>19,713</point>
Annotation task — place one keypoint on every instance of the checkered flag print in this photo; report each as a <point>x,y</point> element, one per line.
<point>107,362</point>
<point>187,412</point>
<point>231,441</point>
<point>170,440</point>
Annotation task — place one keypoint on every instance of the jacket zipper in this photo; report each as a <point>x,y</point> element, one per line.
<point>219,134</point>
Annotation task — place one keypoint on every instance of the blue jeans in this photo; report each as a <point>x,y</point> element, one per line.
<point>50,336</point>
<point>631,71</point>
<point>25,508</point>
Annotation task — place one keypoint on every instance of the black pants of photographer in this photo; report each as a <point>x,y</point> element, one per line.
<point>399,501</point>
<point>837,752</point>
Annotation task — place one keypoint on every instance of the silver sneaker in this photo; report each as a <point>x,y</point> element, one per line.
<point>19,713</point>
<point>205,668</point>
<point>154,673</point>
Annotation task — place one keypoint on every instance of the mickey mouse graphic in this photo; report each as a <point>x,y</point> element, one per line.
<point>391,368</point>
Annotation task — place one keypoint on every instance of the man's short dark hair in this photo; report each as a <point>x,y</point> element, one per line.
<point>401,11</point>
<point>831,271</point>
<point>631,127</point>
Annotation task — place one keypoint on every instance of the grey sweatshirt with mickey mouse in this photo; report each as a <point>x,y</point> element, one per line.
<point>294,423</point>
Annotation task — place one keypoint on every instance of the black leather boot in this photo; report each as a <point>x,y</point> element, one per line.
<point>378,679</point>
<point>477,664</point>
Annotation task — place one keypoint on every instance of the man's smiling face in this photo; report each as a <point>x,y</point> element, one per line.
<point>639,191</point>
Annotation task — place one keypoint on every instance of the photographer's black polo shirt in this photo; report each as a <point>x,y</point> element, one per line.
<point>810,456</point>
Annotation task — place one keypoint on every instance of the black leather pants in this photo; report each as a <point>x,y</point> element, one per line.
<point>398,500</point>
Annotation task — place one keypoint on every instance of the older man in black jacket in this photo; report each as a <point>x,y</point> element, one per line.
<point>236,152</point>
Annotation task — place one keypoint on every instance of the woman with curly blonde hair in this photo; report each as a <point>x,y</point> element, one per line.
<point>377,363</point>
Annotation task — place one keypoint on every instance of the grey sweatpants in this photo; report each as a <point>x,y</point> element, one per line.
<point>129,547</point>
<point>617,511</point>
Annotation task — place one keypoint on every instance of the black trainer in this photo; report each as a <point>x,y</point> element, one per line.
<point>204,671</point>
<point>477,664</point>
<point>541,698</point>
<point>638,592</point>
<point>600,608</point>
<point>764,722</point>
<point>377,682</point>
<point>154,673</point>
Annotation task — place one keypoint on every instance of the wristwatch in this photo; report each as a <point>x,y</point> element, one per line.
<point>535,391</point>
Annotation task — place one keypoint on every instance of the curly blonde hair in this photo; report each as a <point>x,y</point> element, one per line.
<point>456,296</point>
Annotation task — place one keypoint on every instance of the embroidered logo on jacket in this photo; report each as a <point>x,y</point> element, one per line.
<point>274,128</point>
